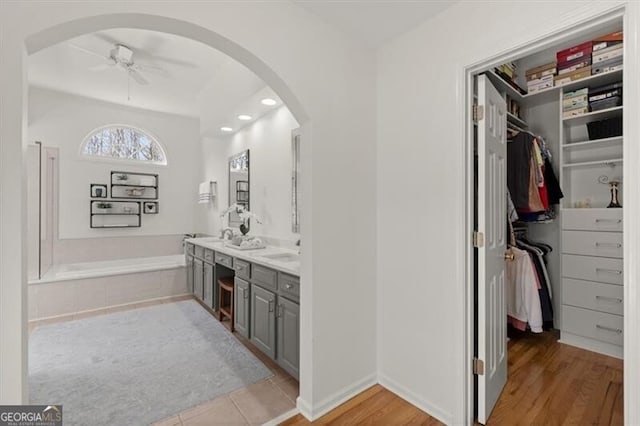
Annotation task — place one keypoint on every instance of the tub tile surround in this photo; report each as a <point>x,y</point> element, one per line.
<point>111,248</point>
<point>63,298</point>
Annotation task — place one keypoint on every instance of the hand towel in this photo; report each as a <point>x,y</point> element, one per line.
<point>205,193</point>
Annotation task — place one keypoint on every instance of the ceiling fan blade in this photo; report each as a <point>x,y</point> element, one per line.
<point>90,52</point>
<point>138,77</point>
<point>101,67</point>
<point>149,69</point>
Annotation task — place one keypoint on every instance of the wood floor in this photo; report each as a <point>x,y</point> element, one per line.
<point>375,406</point>
<point>549,384</point>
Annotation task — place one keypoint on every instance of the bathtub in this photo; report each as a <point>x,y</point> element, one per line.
<point>74,288</point>
<point>75,271</point>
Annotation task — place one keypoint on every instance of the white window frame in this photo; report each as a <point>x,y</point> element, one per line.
<point>99,158</point>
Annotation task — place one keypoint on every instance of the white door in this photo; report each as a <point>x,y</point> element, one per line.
<point>492,222</point>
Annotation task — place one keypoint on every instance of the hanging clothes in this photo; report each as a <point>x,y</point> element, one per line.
<point>532,183</point>
<point>523,300</point>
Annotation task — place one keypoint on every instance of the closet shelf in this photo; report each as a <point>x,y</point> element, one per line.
<point>593,116</point>
<point>516,120</point>
<point>592,80</point>
<point>594,163</point>
<point>593,143</point>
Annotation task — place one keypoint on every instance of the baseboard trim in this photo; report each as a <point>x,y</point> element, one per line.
<point>323,407</point>
<point>414,399</point>
<point>591,345</point>
<point>282,417</point>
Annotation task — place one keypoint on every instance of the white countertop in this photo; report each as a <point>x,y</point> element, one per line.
<point>253,256</point>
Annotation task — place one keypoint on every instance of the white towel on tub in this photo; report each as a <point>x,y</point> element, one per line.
<point>205,192</point>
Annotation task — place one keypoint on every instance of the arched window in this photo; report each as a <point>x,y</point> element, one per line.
<point>118,142</point>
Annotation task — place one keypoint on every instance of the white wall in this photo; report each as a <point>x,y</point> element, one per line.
<point>322,76</point>
<point>421,189</point>
<point>63,120</point>
<point>268,140</point>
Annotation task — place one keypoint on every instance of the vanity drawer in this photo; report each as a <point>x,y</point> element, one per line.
<point>592,219</point>
<point>289,286</point>
<point>606,244</point>
<point>596,296</point>
<point>242,268</point>
<point>199,252</point>
<point>264,276</point>
<point>190,248</point>
<point>592,324</point>
<point>208,255</point>
<point>224,259</point>
<point>600,269</point>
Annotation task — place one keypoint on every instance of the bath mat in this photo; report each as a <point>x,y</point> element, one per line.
<point>139,366</point>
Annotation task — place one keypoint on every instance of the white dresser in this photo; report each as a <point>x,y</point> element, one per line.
<point>592,279</point>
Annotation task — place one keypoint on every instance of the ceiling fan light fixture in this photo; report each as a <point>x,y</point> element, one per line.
<point>268,102</point>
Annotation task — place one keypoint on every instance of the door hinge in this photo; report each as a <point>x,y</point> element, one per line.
<point>478,239</point>
<point>478,367</point>
<point>478,113</point>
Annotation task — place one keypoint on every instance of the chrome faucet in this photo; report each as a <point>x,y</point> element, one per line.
<point>224,232</point>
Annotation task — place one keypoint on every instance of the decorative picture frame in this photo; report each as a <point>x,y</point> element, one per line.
<point>98,190</point>
<point>150,207</point>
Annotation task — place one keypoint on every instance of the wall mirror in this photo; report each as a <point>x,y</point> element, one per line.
<point>238,184</point>
<point>295,180</point>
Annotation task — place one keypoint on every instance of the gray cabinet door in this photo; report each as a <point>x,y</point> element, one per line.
<point>198,277</point>
<point>263,320</point>
<point>288,320</point>
<point>241,307</point>
<point>190,273</point>
<point>207,283</point>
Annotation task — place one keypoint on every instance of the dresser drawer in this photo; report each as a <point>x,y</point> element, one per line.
<point>242,268</point>
<point>588,243</point>
<point>595,296</point>
<point>289,286</point>
<point>600,269</point>
<point>264,277</point>
<point>592,324</point>
<point>224,259</point>
<point>208,255</point>
<point>199,252</point>
<point>592,219</point>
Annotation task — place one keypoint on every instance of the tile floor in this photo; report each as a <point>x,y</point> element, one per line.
<point>252,405</point>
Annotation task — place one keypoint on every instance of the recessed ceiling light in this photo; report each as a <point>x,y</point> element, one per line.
<point>244,117</point>
<point>268,102</point>
<point>226,129</point>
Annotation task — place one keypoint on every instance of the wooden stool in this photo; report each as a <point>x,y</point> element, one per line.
<point>225,288</point>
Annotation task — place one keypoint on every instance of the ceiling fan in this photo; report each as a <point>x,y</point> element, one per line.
<point>120,57</point>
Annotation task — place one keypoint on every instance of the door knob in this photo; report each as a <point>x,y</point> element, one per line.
<point>508,255</point>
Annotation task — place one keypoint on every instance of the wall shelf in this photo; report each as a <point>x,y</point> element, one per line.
<point>137,186</point>
<point>594,163</point>
<point>118,214</point>
<point>593,116</point>
<point>593,143</point>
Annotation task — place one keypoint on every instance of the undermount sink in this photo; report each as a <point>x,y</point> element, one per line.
<point>283,257</point>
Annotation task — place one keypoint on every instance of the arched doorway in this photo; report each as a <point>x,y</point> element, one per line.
<point>71,29</point>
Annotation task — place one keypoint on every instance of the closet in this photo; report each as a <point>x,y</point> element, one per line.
<point>578,115</point>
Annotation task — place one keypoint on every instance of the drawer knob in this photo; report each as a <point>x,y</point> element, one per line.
<point>605,328</point>
<point>288,286</point>
<point>609,299</point>
<point>609,271</point>
<point>615,245</point>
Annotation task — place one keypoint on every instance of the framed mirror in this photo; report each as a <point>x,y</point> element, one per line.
<point>295,180</point>
<point>238,184</point>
